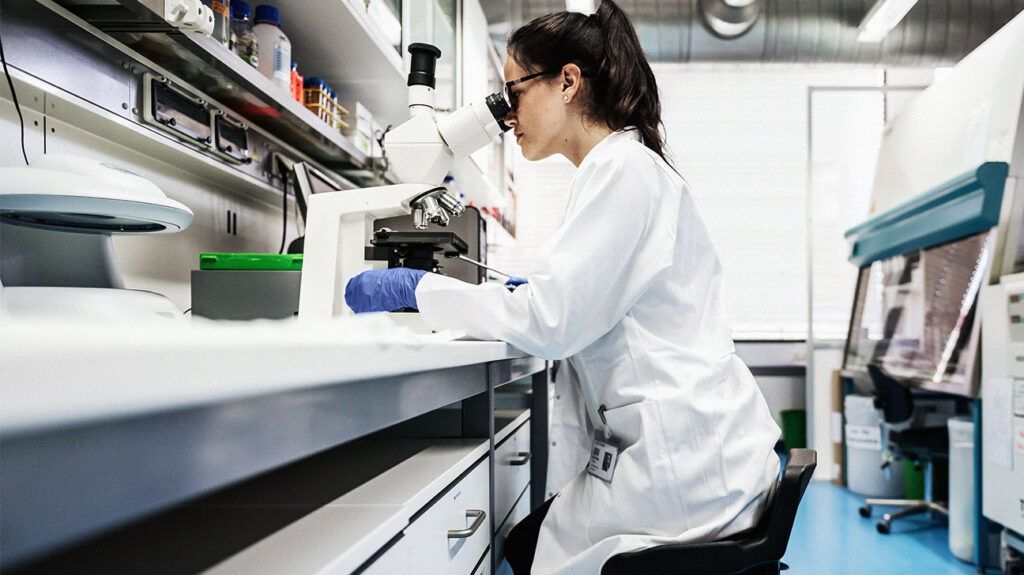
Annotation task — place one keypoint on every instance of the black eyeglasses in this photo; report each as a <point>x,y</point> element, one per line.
<point>512,96</point>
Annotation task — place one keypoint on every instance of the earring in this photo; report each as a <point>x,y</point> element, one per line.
<point>565,99</point>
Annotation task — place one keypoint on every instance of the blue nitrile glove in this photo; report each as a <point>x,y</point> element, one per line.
<point>515,281</point>
<point>383,290</point>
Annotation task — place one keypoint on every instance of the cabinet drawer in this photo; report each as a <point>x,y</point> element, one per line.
<point>519,512</point>
<point>511,471</point>
<point>449,537</point>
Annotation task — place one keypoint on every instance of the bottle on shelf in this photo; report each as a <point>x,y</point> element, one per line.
<point>221,21</point>
<point>243,39</point>
<point>314,96</point>
<point>296,83</point>
<point>275,50</point>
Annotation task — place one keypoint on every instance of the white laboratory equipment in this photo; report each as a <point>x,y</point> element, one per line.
<point>422,151</point>
<point>56,255</point>
<point>190,15</point>
<point>1002,396</point>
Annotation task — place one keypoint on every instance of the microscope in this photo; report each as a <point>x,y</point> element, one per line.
<point>421,151</point>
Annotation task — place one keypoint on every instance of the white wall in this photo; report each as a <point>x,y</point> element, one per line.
<point>739,136</point>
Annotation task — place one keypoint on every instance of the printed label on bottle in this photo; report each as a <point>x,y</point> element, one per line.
<point>279,65</point>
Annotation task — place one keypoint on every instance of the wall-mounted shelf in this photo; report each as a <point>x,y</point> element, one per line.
<point>212,68</point>
<point>358,62</point>
<point>338,41</point>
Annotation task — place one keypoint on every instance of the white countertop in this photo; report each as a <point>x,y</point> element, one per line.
<point>54,374</point>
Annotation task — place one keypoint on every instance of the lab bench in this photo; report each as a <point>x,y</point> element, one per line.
<point>255,450</point>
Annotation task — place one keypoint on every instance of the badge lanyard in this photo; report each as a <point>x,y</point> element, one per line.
<point>604,451</point>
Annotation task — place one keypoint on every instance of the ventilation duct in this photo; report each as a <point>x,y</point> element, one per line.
<point>933,33</point>
<point>729,19</point>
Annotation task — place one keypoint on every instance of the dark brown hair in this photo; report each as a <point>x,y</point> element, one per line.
<point>620,90</point>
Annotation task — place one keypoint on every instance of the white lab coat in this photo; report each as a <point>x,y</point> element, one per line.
<point>629,290</point>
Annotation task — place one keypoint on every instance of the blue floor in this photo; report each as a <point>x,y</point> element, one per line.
<point>831,537</point>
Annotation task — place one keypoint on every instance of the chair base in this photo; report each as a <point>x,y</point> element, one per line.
<point>909,507</point>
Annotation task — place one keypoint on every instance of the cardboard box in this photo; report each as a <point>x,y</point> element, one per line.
<point>838,450</point>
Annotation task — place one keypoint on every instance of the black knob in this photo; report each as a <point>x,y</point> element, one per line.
<point>499,108</point>
<point>424,62</point>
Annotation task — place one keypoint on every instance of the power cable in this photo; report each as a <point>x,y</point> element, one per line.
<point>14,95</point>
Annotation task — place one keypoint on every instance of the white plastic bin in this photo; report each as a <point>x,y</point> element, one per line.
<point>961,492</point>
<point>863,440</point>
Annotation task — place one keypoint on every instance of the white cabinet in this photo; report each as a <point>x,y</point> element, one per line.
<point>415,506</point>
<point>511,471</point>
<point>449,537</point>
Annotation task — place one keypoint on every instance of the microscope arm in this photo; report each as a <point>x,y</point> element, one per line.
<point>336,239</point>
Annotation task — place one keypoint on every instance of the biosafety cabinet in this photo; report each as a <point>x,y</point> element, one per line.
<point>940,296</point>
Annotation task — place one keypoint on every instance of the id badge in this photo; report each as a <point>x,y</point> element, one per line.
<point>604,456</point>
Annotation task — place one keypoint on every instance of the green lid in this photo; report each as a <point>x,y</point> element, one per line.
<point>223,261</point>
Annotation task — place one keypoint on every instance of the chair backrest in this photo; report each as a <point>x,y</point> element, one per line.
<point>894,398</point>
<point>778,523</point>
<point>765,544</point>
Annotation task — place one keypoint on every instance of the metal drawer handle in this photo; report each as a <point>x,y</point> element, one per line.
<point>523,457</point>
<point>479,514</point>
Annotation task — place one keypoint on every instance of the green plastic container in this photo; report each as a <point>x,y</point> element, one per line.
<point>794,428</point>
<point>261,262</point>
<point>913,481</point>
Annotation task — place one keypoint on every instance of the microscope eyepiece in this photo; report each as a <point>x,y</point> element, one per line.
<point>499,108</point>
<point>424,62</point>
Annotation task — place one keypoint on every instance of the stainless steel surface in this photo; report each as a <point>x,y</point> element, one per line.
<point>478,516</point>
<point>208,66</point>
<point>451,203</point>
<point>484,266</point>
<point>432,210</point>
<point>245,294</point>
<point>934,32</point>
<point>50,47</point>
<point>435,208</point>
<point>96,83</point>
<point>511,370</point>
<point>419,218</point>
<point>730,19</point>
<point>212,68</point>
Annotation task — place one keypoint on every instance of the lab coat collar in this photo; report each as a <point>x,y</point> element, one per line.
<point>629,132</point>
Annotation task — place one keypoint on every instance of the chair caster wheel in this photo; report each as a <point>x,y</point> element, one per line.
<point>865,511</point>
<point>882,528</point>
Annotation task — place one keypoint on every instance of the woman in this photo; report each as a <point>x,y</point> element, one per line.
<point>628,290</point>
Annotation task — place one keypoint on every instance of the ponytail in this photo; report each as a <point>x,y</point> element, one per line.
<point>620,90</point>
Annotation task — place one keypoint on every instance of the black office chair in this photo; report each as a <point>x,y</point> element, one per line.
<point>922,445</point>
<point>757,551</point>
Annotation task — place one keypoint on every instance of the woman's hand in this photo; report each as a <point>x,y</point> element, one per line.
<point>383,290</point>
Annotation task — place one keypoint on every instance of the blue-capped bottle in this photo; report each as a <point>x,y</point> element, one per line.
<point>275,50</point>
<point>243,39</point>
